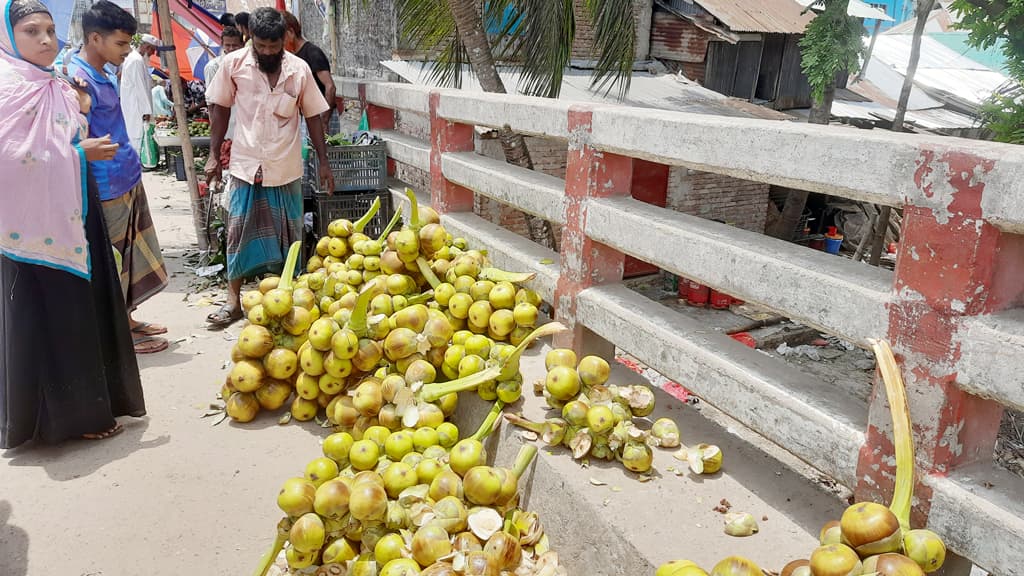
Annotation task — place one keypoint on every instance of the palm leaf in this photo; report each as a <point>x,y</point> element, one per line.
<point>539,41</point>
<point>428,26</point>
<point>614,43</point>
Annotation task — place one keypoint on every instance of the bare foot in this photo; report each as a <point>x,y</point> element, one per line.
<point>117,429</point>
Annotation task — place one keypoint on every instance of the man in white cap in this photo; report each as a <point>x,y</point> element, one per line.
<point>137,89</point>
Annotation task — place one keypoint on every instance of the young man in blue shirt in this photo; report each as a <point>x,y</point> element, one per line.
<point>108,31</point>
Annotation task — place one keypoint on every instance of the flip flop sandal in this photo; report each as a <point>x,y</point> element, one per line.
<point>147,329</point>
<point>161,345</point>
<point>117,429</point>
<point>224,317</point>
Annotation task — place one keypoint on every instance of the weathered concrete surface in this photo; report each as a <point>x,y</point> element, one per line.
<point>407,150</point>
<point>991,353</point>
<point>821,425</point>
<point>531,191</point>
<point>625,527</point>
<point>525,114</point>
<point>980,514</point>
<point>834,294</point>
<point>407,97</point>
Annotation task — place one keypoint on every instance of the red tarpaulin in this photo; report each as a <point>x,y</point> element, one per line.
<point>196,35</point>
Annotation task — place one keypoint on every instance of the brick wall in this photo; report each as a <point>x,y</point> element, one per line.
<point>741,203</point>
<point>583,42</point>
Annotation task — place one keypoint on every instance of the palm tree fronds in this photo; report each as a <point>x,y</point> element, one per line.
<point>539,40</point>
<point>615,44</point>
<point>428,26</point>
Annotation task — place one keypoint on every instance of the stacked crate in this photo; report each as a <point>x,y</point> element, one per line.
<point>360,176</point>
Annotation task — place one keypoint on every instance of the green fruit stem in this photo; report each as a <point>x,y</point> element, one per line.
<point>487,426</point>
<point>510,367</point>
<point>358,225</point>
<point>424,267</point>
<point>526,455</point>
<point>420,298</point>
<point>357,320</point>
<point>903,441</point>
<point>268,559</point>
<point>506,370</point>
<point>496,275</point>
<point>391,226</point>
<point>288,273</point>
<point>434,392</point>
<point>414,211</point>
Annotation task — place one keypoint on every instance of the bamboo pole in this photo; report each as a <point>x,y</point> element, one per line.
<point>178,94</point>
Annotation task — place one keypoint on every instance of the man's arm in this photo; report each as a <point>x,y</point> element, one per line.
<point>330,90</point>
<point>316,133</point>
<point>219,116</point>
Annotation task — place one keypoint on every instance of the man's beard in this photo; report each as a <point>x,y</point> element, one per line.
<point>270,63</point>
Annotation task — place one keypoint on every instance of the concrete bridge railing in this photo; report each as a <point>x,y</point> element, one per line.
<point>953,309</point>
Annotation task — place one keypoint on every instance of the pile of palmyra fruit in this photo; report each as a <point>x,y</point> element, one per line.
<point>869,538</point>
<point>381,335</point>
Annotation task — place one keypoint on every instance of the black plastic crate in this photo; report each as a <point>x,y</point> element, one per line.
<point>352,206</point>
<point>310,176</point>
<point>179,168</point>
<point>359,168</point>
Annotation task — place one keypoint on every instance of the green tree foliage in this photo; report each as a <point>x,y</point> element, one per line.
<point>831,45</point>
<point>988,22</point>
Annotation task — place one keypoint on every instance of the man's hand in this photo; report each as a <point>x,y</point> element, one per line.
<point>326,177</point>
<point>213,170</point>
<point>99,148</point>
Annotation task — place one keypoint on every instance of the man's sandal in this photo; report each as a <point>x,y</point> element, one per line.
<point>224,317</point>
<point>149,344</point>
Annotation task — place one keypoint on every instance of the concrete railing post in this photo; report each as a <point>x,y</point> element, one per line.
<point>589,173</point>
<point>952,265</point>
<point>447,136</point>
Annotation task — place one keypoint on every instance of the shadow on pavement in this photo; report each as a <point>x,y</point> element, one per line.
<point>13,545</point>
<point>79,458</point>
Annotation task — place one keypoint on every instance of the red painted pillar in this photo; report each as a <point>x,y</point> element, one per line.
<point>650,185</point>
<point>447,136</point>
<point>378,118</point>
<point>584,263</point>
<point>952,265</point>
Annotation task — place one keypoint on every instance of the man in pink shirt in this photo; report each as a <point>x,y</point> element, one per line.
<point>271,91</point>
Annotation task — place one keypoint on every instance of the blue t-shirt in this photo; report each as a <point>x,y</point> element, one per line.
<point>114,178</point>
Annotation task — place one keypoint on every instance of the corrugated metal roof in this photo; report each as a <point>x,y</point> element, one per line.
<point>666,91</point>
<point>941,72</point>
<point>936,119</point>
<point>856,8</point>
<point>766,16</point>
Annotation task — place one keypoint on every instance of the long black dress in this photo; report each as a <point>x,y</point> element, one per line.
<point>67,363</point>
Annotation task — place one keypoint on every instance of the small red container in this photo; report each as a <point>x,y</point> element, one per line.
<point>720,301</point>
<point>696,294</point>
<point>744,338</point>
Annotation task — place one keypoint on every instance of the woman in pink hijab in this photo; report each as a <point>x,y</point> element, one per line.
<point>67,365</point>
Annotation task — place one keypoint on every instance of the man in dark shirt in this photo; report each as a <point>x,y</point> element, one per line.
<point>315,57</point>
